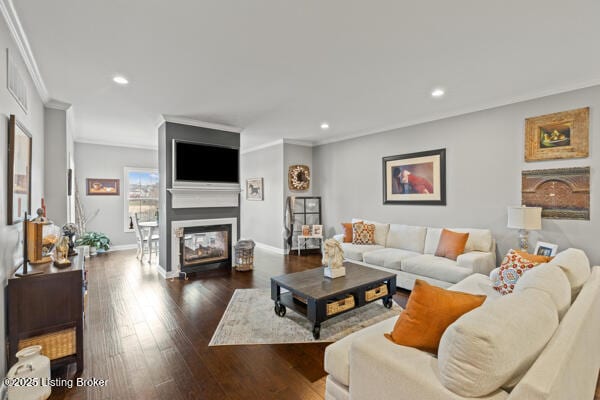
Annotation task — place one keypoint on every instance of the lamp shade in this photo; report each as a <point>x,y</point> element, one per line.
<point>529,218</point>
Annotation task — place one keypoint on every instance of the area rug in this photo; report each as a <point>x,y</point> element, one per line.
<point>250,319</point>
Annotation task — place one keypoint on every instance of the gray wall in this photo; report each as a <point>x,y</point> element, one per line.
<point>484,163</point>
<point>166,133</point>
<point>97,161</point>
<point>33,120</point>
<point>56,165</point>
<point>262,221</point>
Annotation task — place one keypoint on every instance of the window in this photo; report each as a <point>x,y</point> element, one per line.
<point>141,195</point>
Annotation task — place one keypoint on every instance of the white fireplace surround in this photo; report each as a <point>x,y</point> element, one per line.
<point>175,225</point>
<point>205,196</point>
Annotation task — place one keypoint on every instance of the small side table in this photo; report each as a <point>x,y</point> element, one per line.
<point>320,237</point>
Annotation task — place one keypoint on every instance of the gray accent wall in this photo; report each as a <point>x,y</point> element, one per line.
<point>11,247</point>
<point>166,133</point>
<point>98,161</point>
<point>485,158</point>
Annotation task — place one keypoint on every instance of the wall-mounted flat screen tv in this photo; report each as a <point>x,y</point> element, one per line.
<point>202,163</point>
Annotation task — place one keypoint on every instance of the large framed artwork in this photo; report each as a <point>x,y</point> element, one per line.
<point>19,171</point>
<point>254,189</point>
<point>563,193</point>
<point>102,187</point>
<point>558,136</point>
<point>415,178</point>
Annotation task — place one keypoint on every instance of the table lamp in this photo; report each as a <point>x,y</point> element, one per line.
<point>525,219</point>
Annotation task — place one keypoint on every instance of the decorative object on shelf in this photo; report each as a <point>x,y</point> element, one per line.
<point>25,270</point>
<point>317,230</point>
<point>299,177</point>
<point>102,187</point>
<point>415,178</point>
<point>42,236</point>
<point>545,249</point>
<point>305,230</point>
<point>557,136</point>
<point>333,258</point>
<point>254,189</point>
<point>563,193</point>
<point>32,367</point>
<point>96,240</point>
<point>62,252</point>
<point>525,219</point>
<point>70,230</point>
<point>19,171</point>
<point>244,255</point>
<point>131,227</point>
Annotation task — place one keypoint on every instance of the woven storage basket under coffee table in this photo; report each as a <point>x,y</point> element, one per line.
<point>318,298</point>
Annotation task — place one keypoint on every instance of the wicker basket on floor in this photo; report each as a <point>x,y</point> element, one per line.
<point>55,345</point>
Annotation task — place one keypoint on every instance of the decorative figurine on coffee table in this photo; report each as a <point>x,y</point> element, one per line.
<point>333,258</point>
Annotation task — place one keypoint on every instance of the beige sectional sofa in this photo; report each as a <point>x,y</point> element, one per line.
<point>540,342</point>
<point>409,251</point>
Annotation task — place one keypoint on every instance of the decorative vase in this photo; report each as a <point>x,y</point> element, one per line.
<point>93,251</point>
<point>32,368</point>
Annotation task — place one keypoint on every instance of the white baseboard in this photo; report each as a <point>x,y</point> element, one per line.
<point>122,247</point>
<point>270,248</point>
<point>165,274</point>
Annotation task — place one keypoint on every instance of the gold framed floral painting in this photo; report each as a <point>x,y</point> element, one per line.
<point>557,136</point>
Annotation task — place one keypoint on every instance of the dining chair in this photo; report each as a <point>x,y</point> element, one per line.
<point>146,241</point>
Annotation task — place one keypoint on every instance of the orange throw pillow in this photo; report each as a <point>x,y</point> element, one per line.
<point>429,311</point>
<point>452,244</point>
<point>533,257</point>
<point>347,226</point>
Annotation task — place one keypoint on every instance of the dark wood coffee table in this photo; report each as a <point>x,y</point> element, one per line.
<point>313,295</point>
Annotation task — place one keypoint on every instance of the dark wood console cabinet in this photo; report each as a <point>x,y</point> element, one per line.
<point>47,303</point>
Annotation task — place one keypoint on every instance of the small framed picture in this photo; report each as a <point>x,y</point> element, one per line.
<point>546,249</point>
<point>317,230</point>
<point>305,230</point>
<point>102,187</point>
<point>254,189</point>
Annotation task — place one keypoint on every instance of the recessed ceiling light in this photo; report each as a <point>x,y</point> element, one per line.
<point>437,92</point>
<point>121,80</point>
<point>324,126</point>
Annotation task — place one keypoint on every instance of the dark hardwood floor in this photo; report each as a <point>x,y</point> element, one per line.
<point>149,337</point>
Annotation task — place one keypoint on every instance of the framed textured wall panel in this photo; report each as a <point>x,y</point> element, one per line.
<point>563,193</point>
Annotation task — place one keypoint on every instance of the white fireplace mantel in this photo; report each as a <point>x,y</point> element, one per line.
<point>193,197</point>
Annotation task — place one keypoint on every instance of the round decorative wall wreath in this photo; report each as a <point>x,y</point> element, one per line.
<point>299,177</point>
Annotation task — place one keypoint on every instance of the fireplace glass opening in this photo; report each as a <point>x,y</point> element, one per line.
<point>205,245</point>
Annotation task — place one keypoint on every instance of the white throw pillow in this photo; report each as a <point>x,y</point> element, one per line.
<point>479,239</point>
<point>432,239</point>
<point>551,280</point>
<point>494,345</point>
<point>576,266</point>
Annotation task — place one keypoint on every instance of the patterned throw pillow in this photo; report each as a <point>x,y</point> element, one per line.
<point>514,265</point>
<point>363,233</point>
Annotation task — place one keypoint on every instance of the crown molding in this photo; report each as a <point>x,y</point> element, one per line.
<point>467,110</point>
<point>277,142</point>
<point>57,105</point>
<point>16,30</point>
<point>304,143</point>
<point>201,124</point>
<point>115,144</point>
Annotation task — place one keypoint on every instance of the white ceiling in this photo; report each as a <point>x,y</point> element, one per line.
<point>278,68</point>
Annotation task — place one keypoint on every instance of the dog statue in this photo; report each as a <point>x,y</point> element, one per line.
<point>333,258</point>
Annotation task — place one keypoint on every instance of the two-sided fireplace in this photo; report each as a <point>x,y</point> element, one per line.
<point>205,247</point>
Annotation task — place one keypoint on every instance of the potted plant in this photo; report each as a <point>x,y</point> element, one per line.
<point>97,241</point>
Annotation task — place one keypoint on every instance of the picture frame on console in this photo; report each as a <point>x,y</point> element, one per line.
<point>561,135</point>
<point>415,178</point>
<point>545,249</point>
<point>19,171</point>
